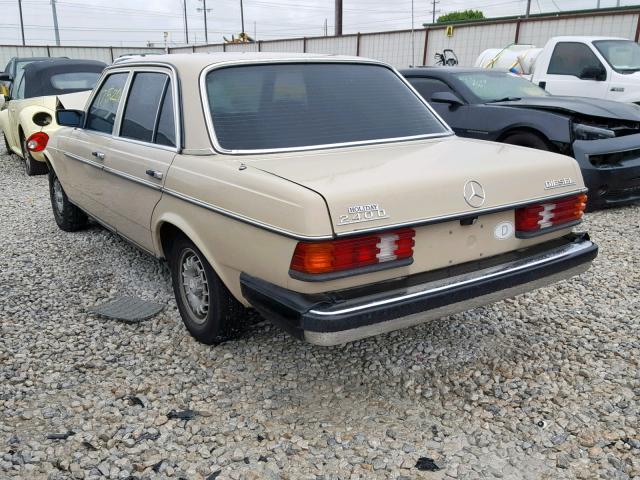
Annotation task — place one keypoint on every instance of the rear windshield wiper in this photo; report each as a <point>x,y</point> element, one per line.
<point>505,99</point>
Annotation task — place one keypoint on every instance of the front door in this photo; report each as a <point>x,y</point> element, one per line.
<point>140,153</point>
<point>568,62</point>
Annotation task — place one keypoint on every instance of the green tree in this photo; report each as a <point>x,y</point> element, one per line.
<point>461,16</point>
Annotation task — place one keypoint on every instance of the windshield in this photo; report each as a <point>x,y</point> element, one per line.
<point>622,55</point>
<point>276,106</point>
<point>489,86</point>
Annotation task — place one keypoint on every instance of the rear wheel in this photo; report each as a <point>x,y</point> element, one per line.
<point>208,310</point>
<point>32,166</point>
<point>68,217</point>
<point>526,139</point>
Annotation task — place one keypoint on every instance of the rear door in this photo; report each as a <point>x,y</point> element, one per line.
<point>84,149</point>
<point>141,152</point>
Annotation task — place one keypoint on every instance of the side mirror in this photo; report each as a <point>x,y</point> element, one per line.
<point>5,77</point>
<point>446,97</point>
<point>598,74</point>
<point>70,118</point>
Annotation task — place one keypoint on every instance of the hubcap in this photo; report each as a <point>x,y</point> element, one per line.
<point>194,286</point>
<point>58,196</point>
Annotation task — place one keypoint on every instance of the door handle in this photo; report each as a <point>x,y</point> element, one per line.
<point>98,155</point>
<point>154,174</point>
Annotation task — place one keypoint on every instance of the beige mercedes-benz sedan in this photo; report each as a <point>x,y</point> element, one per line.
<point>320,190</point>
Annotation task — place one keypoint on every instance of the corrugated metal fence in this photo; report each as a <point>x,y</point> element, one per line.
<point>105,54</point>
<point>468,39</point>
<point>399,48</point>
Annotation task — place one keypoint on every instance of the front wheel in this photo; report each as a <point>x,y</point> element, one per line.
<point>208,310</point>
<point>68,217</point>
<point>32,166</point>
<point>526,139</point>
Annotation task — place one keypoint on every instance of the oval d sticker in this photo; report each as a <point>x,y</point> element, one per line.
<point>503,230</point>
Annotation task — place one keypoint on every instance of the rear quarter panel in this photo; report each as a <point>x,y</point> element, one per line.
<point>234,245</point>
<point>26,111</point>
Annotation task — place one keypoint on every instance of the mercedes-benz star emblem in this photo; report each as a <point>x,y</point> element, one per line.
<point>474,194</point>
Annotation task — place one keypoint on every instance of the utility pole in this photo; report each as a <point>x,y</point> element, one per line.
<point>413,42</point>
<point>55,22</point>
<point>434,11</point>
<point>338,18</point>
<point>242,16</point>
<point>255,32</point>
<point>528,9</point>
<point>186,25</point>
<point>325,28</point>
<point>21,22</point>
<point>205,10</point>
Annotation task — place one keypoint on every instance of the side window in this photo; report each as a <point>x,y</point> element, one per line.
<point>143,106</point>
<point>428,86</point>
<point>166,131</point>
<point>571,58</point>
<point>19,94</point>
<point>102,112</point>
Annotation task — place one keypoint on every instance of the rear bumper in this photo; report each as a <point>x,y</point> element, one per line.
<point>343,316</point>
<point>610,185</point>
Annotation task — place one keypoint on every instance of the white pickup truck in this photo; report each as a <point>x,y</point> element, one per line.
<point>597,67</point>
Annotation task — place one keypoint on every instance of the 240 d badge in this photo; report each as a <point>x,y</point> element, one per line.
<point>363,213</point>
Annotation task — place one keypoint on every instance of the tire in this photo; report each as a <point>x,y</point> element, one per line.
<point>209,311</point>
<point>32,166</point>
<point>530,140</point>
<point>6,145</point>
<point>68,217</point>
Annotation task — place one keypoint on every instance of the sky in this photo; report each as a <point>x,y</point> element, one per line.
<point>136,22</point>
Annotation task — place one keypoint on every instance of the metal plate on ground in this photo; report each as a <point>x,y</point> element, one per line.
<point>128,309</point>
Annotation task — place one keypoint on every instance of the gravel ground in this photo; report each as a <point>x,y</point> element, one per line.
<point>546,385</point>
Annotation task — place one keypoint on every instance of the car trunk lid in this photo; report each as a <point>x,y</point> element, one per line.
<point>417,182</point>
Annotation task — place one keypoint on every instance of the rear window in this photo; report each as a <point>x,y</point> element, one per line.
<point>275,106</point>
<point>74,80</point>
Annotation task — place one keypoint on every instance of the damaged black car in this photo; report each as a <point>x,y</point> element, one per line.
<point>603,136</point>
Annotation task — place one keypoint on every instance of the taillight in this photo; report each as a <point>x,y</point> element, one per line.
<point>541,216</point>
<point>37,142</point>
<point>352,253</point>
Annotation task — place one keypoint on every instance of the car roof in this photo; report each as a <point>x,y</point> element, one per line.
<point>37,75</point>
<point>199,61</point>
<point>585,38</point>
<point>428,71</point>
<point>45,66</point>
